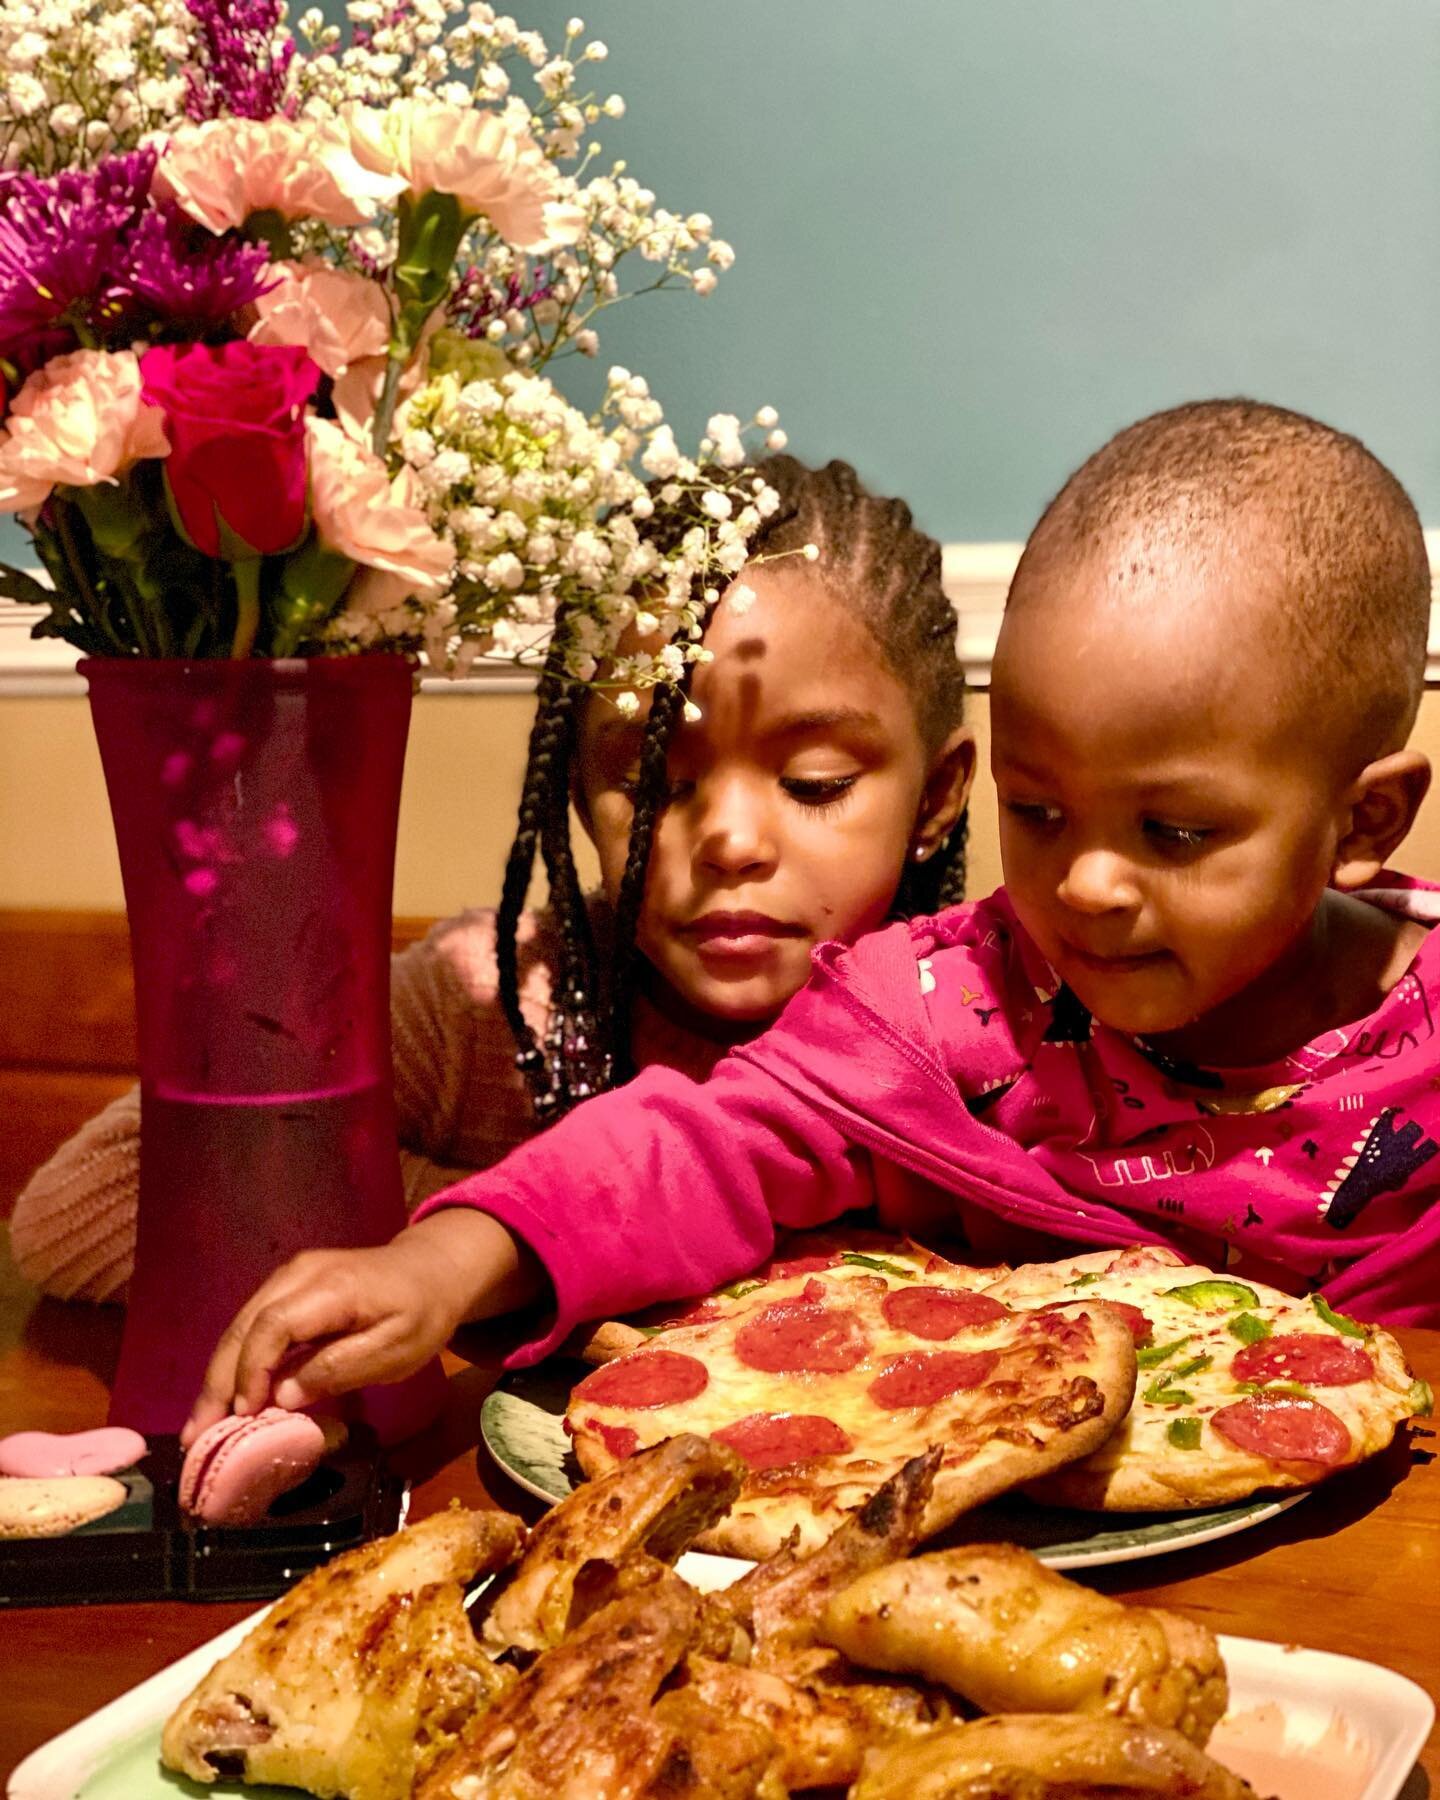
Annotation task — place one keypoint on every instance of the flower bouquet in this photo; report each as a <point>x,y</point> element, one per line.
<point>279,318</point>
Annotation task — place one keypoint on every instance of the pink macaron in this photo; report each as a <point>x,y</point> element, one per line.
<point>41,1455</point>
<point>238,1466</point>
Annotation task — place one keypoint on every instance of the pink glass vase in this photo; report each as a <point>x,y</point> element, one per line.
<point>255,808</point>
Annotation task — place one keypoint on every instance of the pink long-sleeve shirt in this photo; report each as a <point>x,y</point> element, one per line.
<point>935,1071</point>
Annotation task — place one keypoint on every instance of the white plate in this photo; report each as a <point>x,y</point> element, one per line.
<point>521,1425</point>
<point>1301,1723</point>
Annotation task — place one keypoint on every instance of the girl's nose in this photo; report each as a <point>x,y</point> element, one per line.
<point>1098,881</point>
<point>732,837</point>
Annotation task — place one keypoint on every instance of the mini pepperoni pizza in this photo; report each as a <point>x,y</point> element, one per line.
<point>1241,1388</point>
<point>832,1368</point>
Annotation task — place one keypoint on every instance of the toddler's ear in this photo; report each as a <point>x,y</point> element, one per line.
<point>1383,802</point>
<point>947,788</point>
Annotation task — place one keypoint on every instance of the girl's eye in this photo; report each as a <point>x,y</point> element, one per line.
<point>1034,813</point>
<point>1177,837</point>
<point>818,790</point>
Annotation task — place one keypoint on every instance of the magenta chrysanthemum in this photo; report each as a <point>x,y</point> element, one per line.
<point>241,72</point>
<point>60,243</point>
<point>185,276</point>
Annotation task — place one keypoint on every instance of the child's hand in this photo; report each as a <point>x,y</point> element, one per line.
<point>333,1320</point>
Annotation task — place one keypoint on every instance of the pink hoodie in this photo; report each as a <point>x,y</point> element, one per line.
<point>933,1071</point>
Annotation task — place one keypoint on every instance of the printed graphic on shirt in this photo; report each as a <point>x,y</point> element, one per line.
<point>1196,1152</point>
<point>1070,1022</point>
<point>1382,1161</point>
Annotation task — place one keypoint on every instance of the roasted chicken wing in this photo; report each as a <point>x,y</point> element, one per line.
<point>1010,1635</point>
<point>658,1502</point>
<point>1046,1756</point>
<point>360,1675</point>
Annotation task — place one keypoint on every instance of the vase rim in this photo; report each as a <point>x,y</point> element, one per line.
<point>221,670</point>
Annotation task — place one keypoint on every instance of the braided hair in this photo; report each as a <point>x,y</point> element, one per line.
<point>875,559</point>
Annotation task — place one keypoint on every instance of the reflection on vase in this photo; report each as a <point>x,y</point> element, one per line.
<point>255,806</point>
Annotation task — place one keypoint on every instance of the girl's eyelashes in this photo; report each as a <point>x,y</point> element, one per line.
<point>818,792</point>
<point>1034,813</point>
<point>1178,838</point>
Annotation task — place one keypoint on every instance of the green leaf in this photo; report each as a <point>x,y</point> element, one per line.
<point>1347,1327</point>
<point>1157,1353</point>
<point>1249,1327</point>
<point>857,1260</point>
<point>1214,1296</point>
<point>1183,1434</point>
<point>15,584</point>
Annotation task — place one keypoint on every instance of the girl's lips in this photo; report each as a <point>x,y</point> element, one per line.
<point>730,927</point>
<point>1115,965</point>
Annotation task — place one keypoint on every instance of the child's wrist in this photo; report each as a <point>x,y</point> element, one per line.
<point>479,1268</point>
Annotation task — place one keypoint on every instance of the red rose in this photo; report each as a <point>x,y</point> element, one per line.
<point>235,418</point>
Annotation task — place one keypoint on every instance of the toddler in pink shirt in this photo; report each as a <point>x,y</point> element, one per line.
<point>1200,1012</point>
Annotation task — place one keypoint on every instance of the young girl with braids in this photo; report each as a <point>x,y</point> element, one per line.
<point>817,793</point>
<point>1201,1012</point>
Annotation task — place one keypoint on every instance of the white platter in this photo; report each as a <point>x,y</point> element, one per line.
<point>1302,1724</point>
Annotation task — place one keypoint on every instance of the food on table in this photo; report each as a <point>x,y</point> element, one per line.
<point>1241,1388</point>
<point>52,1506</point>
<point>98,1452</point>
<point>999,1628</point>
<point>826,1375</point>
<point>240,1465</point>
<point>657,1506</point>
<point>1043,1756</point>
<point>360,1676</point>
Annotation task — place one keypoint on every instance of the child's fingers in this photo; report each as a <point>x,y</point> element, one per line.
<point>385,1352</point>
<point>276,1328</point>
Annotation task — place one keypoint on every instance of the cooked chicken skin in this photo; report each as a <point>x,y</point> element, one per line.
<point>1046,1756</point>
<point>1010,1635</point>
<point>360,1675</point>
<point>658,1501</point>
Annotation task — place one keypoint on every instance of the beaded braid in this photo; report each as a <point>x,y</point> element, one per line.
<point>889,572</point>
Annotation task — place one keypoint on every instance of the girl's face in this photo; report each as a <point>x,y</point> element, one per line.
<point>1168,824</point>
<point>794,801</point>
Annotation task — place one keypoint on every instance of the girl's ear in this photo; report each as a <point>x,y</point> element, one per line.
<point>947,788</point>
<point>1383,802</point>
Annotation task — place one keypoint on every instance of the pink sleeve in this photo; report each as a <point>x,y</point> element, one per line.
<point>665,1188</point>
<point>1398,1283</point>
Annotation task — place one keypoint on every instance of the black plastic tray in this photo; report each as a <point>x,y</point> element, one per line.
<point>148,1550</point>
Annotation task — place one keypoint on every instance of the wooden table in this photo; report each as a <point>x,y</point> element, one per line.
<point>1355,1569</point>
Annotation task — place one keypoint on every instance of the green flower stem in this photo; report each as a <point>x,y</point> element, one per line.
<point>247,606</point>
<point>385,410</point>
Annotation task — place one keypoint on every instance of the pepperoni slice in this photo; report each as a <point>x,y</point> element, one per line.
<point>1306,1357</point>
<point>771,1440</point>
<point>795,1337</point>
<point>922,1377</point>
<point>938,1313</point>
<point>620,1440</point>
<point>1285,1428</point>
<point>804,1265</point>
<point>646,1378</point>
<point>1140,1327</point>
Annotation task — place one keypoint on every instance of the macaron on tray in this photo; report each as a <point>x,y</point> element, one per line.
<point>110,1515</point>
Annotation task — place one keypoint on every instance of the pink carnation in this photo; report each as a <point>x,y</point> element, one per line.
<point>224,170</point>
<point>377,523</point>
<point>490,165</point>
<point>77,421</point>
<point>337,318</point>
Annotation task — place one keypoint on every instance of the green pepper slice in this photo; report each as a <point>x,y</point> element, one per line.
<point>1184,1434</point>
<point>1160,1393</point>
<point>1157,1353</point>
<point>1249,1327</point>
<point>1214,1296</point>
<point>859,1261</point>
<point>1347,1327</point>
<point>1422,1401</point>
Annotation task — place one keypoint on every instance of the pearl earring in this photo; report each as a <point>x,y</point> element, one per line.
<point>921,852</point>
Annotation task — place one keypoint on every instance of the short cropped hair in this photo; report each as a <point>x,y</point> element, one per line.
<point>1339,528</point>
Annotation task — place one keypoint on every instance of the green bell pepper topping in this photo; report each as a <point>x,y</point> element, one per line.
<point>1345,1326</point>
<point>1214,1296</point>
<point>1160,1393</point>
<point>857,1260</point>
<point>1184,1434</point>
<point>737,1290</point>
<point>1250,1328</point>
<point>1157,1353</point>
<point>1193,1367</point>
<point>1083,1281</point>
<point>1422,1401</point>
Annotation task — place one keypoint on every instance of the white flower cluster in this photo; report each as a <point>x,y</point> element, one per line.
<point>553,529</point>
<point>82,78</point>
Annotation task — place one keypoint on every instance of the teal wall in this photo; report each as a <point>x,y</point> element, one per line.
<point>977,236</point>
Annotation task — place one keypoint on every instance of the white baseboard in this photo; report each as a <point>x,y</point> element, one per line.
<point>977,577</point>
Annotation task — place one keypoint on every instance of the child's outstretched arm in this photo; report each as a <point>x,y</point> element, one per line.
<point>333,1320</point>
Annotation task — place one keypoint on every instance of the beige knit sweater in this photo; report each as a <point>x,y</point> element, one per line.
<point>460,1100</point>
